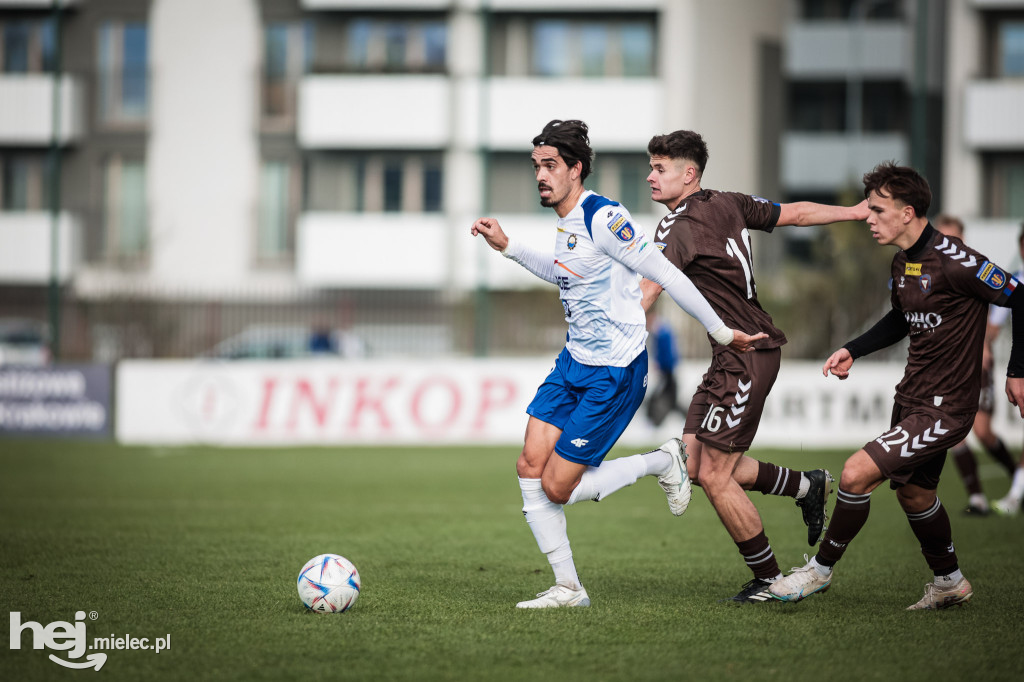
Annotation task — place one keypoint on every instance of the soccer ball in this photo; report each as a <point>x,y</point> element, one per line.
<point>328,583</point>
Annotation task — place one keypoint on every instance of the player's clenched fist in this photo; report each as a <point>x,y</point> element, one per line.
<point>492,232</point>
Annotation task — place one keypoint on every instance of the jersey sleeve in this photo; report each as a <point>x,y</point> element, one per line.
<point>972,274</point>
<point>615,233</point>
<point>758,213</point>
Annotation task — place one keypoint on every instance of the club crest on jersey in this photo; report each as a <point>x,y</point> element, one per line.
<point>621,228</point>
<point>926,283</point>
<point>571,242</point>
<point>913,269</point>
<point>992,275</point>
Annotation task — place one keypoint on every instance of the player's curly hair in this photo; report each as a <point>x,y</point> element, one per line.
<point>571,139</point>
<point>902,183</point>
<point>681,144</point>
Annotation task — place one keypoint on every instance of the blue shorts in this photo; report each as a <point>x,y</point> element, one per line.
<point>592,405</point>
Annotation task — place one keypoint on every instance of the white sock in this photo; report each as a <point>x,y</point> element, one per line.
<point>547,521</point>
<point>823,570</point>
<point>978,500</point>
<point>599,482</point>
<point>805,487</point>
<point>1017,487</point>
<point>949,580</point>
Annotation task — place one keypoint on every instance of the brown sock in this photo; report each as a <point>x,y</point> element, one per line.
<point>775,480</point>
<point>1000,454</point>
<point>936,537</point>
<point>968,468</point>
<point>759,556</point>
<point>848,517</point>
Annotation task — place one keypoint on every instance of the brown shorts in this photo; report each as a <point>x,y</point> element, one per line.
<point>914,449</point>
<point>726,409</point>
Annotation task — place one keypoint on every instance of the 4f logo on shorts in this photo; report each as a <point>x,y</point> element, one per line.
<point>579,442</point>
<point>911,446</point>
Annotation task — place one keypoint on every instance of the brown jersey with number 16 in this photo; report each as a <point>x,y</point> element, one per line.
<point>708,238</point>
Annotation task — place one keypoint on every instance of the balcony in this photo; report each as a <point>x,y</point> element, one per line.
<point>498,5</point>
<point>374,112</point>
<point>25,247</point>
<point>832,161</point>
<point>372,250</point>
<point>26,118</point>
<point>992,115</point>
<point>517,109</point>
<point>835,50</point>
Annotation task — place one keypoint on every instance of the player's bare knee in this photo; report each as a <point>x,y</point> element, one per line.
<point>527,468</point>
<point>914,499</point>
<point>555,493</point>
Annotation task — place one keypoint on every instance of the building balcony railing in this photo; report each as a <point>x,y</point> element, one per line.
<point>835,50</point>
<point>25,247</point>
<point>992,114</point>
<point>26,117</point>
<point>834,161</point>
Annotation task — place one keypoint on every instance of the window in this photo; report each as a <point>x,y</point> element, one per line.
<point>817,107</point>
<point>1005,185</point>
<point>24,183</point>
<point>123,73</point>
<point>287,53</point>
<point>27,46</point>
<point>1011,49</point>
<point>573,46</point>
<point>380,44</point>
<point>278,204</point>
<point>844,9</point>
<point>374,182</point>
<point>621,177</point>
<point>125,224</point>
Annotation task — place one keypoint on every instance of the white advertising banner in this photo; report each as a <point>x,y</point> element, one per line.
<point>333,402</point>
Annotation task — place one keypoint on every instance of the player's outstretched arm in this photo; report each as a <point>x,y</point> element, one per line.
<point>491,231</point>
<point>839,364</point>
<point>810,213</point>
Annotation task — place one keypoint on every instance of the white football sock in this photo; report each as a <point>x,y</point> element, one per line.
<point>599,482</point>
<point>823,570</point>
<point>979,501</point>
<point>1017,487</point>
<point>949,580</point>
<point>547,521</point>
<point>805,486</point>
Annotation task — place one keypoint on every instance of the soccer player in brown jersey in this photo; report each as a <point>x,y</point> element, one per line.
<point>941,290</point>
<point>963,458</point>
<point>706,235</point>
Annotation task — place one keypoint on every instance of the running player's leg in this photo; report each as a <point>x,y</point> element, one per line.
<point>899,455</point>
<point>930,523</point>
<point>611,397</point>
<point>545,518</point>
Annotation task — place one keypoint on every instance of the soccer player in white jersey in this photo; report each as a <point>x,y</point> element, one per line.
<point>600,377</point>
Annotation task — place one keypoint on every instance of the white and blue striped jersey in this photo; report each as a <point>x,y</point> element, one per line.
<point>597,250</point>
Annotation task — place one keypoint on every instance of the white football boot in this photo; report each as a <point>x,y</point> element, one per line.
<point>676,481</point>
<point>555,597</point>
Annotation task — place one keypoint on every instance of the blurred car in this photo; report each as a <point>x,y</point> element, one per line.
<point>288,341</point>
<point>24,341</point>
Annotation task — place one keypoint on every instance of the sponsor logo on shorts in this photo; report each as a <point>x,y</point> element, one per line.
<point>579,442</point>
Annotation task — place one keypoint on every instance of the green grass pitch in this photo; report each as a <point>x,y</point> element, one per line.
<point>205,544</point>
